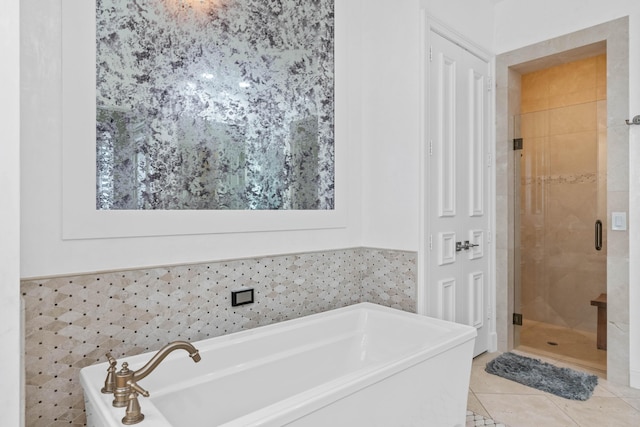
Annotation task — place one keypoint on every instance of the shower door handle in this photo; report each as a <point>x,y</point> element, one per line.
<point>598,235</point>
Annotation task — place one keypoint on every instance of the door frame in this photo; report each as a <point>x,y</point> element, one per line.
<point>615,34</point>
<point>429,24</point>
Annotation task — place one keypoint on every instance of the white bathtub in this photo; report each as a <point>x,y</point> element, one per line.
<point>363,365</point>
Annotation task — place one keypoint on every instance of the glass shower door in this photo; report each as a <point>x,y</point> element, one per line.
<point>562,194</point>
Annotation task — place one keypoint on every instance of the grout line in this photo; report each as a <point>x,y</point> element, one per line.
<point>563,411</point>
<point>481,404</point>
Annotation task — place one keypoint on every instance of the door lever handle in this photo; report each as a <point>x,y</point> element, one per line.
<point>468,245</point>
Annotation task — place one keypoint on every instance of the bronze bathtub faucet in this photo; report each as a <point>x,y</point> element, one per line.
<point>124,383</point>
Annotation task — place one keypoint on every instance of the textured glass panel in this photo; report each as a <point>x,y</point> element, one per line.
<point>215,104</point>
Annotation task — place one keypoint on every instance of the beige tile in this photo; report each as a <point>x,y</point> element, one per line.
<point>574,346</point>
<point>563,85</point>
<point>601,107</point>
<point>601,77</point>
<point>572,77</point>
<point>535,124</point>
<point>599,411</point>
<point>573,98</point>
<point>601,391</point>
<point>620,391</point>
<point>635,403</point>
<point>473,404</point>
<point>483,382</point>
<point>610,405</point>
<point>525,410</point>
<point>535,104</point>
<point>535,91</point>
<point>572,119</point>
<point>574,153</point>
<point>618,158</point>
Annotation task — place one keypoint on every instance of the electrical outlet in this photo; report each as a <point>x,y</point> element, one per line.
<point>242,297</point>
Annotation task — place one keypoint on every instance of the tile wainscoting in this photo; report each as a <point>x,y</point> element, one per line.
<point>72,322</point>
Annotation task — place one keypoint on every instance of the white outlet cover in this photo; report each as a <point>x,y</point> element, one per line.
<point>618,221</point>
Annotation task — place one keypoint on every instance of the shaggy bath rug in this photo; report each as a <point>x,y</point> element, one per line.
<point>563,382</point>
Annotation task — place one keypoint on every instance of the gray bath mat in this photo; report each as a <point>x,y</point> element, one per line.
<point>563,382</point>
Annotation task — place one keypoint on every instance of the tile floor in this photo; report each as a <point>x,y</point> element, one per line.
<point>477,420</point>
<point>571,345</point>
<point>515,405</point>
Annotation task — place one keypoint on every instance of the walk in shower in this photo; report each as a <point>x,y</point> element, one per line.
<point>560,151</point>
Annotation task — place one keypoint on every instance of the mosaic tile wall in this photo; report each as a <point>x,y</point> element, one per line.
<point>71,322</point>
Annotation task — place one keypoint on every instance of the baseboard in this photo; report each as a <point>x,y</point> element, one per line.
<point>493,342</point>
<point>634,379</point>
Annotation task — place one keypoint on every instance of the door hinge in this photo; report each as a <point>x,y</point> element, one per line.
<point>430,242</point>
<point>489,238</point>
<point>517,143</point>
<point>430,53</point>
<point>431,147</point>
<point>489,84</point>
<point>517,319</point>
<point>489,160</point>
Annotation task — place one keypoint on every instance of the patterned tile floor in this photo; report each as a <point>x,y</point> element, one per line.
<point>476,420</point>
<point>515,405</point>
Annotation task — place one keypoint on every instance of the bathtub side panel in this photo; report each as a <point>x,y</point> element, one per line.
<point>433,392</point>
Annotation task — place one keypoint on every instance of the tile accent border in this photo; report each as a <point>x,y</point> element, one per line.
<point>72,322</point>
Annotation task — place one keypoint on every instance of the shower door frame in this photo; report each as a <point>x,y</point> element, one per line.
<point>527,142</point>
<point>615,34</point>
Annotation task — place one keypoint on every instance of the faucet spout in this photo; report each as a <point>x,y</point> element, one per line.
<point>162,353</point>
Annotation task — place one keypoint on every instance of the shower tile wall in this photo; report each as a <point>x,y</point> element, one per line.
<point>71,322</point>
<point>563,192</point>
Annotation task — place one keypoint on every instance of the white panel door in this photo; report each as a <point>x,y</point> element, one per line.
<point>457,200</point>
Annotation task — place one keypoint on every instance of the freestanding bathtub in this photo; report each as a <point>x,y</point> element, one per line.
<point>363,365</point>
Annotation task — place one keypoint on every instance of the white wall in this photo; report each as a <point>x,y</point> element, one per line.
<point>473,19</point>
<point>44,252</point>
<point>520,23</point>
<point>391,99</point>
<point>10,357</point>
<point>390,108</point>
<point>381,76</point>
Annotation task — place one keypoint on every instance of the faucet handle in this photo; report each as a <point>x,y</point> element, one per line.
<point>133,414</point>
<point>111,359</point>
<point>134,385</point>
<point>110,381</point>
